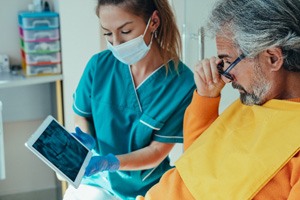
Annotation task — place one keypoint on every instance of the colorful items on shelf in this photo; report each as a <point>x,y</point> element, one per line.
<point>40,43</point>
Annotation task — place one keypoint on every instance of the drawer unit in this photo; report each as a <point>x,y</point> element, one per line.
<point>41,47</point>
<point>43,69</point>
<point>39,35</point>
<point>41,59</point>
<point>38,20</point>
<point>40,43</point>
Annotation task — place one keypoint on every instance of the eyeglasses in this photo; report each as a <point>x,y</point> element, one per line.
<point>226,73</point>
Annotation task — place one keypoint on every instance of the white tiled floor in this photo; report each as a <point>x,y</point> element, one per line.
<point>53,194</point>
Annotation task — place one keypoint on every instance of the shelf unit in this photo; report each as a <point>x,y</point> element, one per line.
<point>8,80</point>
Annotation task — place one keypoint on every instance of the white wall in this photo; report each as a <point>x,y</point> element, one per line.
<point>2,158</point>
<point>80,40</point>
<point>193,14</point>
<point>9,38</point>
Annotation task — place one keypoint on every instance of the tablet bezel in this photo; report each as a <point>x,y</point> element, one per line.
<point>36,135</point>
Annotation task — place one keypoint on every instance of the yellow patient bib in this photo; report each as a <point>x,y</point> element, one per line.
<point>241,151</point>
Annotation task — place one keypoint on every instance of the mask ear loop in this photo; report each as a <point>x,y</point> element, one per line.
<point>146,31</point>
<point>147,26</point>
<point>151,40</point>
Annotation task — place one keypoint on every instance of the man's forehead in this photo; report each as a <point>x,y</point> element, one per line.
<point>225,46</point>
<point>224,41</point>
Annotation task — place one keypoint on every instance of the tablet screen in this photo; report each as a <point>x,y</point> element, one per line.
<point>61,149</point>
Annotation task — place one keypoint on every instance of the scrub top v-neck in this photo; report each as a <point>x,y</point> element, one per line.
<point>127,118</point>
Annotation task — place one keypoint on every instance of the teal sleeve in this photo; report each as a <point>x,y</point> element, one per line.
<point>172,130</point>
<point>172,106</point>
<point>82,96</point>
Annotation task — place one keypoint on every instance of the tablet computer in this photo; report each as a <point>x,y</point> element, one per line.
<point>60,150</point>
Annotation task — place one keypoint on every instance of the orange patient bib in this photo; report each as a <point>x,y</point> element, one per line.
<point>241,151</point>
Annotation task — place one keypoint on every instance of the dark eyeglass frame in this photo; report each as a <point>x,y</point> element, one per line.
<point>226,73</point>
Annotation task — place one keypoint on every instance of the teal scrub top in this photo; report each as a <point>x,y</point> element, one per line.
<point>127,118</point>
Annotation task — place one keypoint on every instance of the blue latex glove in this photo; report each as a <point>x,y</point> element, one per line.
<point>102,163</point>
<point>85,138</point>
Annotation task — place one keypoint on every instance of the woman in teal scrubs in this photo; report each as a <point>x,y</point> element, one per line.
<point>131,98</point>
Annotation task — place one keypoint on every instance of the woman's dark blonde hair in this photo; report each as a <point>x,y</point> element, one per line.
<point>168,36</point>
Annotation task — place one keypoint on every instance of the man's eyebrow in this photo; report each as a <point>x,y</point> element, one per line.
<point>221,56</point>
<point>130,22</point>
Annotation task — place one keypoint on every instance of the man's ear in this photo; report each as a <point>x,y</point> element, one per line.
<point>274,58</point>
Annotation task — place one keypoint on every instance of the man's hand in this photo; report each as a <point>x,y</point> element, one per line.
<point>207,78</point>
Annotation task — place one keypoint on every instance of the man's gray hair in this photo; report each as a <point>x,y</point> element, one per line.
<point>257,25</point>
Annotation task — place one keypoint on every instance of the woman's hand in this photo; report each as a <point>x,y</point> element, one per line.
<point>85,138</point>
<point>102,163</point>
<point>207,78</point>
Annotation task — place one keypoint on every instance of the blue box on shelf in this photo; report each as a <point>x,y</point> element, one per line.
<point>38,20</point>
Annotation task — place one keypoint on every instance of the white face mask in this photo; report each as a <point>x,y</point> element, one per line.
<point>131,51</point>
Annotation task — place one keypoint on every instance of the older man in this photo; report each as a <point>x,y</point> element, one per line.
<point>251,150</point>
